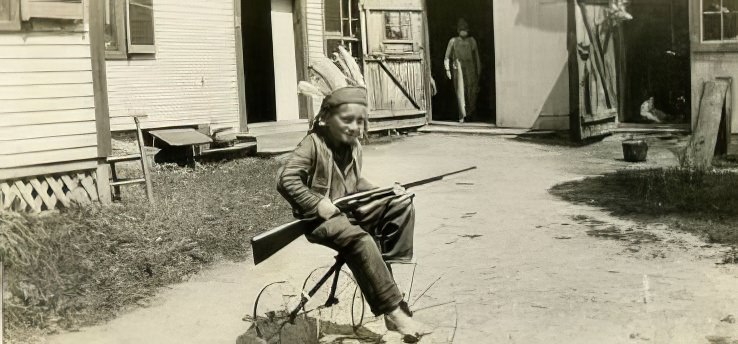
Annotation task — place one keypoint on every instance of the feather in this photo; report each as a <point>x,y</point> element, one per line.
<point>354,72</point>
<point>309,89</point>
<point>344,69</point>
<point>330,73</point>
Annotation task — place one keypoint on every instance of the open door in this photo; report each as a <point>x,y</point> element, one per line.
<point>395,63</point>
<point>593,69</point>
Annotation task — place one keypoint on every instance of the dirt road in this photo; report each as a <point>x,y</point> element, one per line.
<point>506,261</point>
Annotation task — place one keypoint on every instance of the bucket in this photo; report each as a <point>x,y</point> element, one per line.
<point>635,150</point>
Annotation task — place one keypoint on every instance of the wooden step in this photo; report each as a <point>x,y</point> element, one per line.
<point>123,158</point>
<point>120,182</point>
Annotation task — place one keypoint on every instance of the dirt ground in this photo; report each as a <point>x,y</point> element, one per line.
<point>500,260</point>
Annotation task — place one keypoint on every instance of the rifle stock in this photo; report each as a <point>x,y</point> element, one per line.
<point>270,242</point>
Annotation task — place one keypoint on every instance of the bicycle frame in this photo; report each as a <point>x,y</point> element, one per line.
<point>335,270</point>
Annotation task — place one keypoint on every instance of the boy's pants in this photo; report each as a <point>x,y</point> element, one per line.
<point>359,246</point>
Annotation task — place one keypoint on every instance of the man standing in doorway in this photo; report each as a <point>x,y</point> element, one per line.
<point>463,67</point>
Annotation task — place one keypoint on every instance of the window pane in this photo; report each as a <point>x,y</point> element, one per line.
<point>332,15</point>
<point>730,26</point>
<point>712,20</point>
<point>141,22</point>
<point>331,46</point>
<point>406,32</point>
<point>731,5</point>
<point>111,31</point>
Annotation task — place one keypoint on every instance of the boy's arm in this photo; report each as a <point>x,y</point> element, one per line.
<point>293,178</point>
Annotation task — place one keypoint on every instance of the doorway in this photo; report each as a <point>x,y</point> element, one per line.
<point>443,17</point>
<point>258,59</point>
<point>657,63</point>
<point>271,70</point>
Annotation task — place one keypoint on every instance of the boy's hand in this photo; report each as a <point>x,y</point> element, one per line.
<point>326,209</point>
<point>398,189</point>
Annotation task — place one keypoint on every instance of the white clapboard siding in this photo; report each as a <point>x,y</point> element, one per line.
<point>191,80</point>
<point>315,29</point>
<point>47,106</point>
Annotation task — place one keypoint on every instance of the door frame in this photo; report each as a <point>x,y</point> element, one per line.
<point>240,72</point>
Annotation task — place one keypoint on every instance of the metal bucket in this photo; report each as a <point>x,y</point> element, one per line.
<point>635,150</point>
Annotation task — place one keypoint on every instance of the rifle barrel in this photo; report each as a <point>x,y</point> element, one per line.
<point>436,178</point>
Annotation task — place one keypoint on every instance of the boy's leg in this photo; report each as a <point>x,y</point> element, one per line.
<point>364,259</point>
<point>396,229</point>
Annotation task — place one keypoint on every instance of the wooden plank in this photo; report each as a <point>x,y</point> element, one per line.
<point>46,131</point>
<point>397,123</point>
<point>48,157</point>
<point>240,74</point>
<point>598,55</point>
<point>44,51</point>
<point>44,78</point>
<point>99,78</point>
<point>48,143</point>
<point>43,38</point>
<point>46,169</point>
<point>49,104</point>
<point>46,117</point>
<point>45,91</point>
<point>701,147</point>
<point>45,65</point>
<point>53,9</point>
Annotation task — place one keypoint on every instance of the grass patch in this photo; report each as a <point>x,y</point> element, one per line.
<point>83,266</point>
<point>702,202</point>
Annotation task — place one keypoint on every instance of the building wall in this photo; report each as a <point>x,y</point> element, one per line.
<point>532,77</point>
<point>314,16</point>
<point>47,105</point>
<point>193,77</point>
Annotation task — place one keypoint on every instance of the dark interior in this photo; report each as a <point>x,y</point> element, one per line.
<point>443,16</point>
<point>657,57</point>
<point>258,60</point>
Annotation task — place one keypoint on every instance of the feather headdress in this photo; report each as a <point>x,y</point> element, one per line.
<point>333,78</point>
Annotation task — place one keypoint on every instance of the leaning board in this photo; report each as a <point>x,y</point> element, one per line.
<point>701,147</point>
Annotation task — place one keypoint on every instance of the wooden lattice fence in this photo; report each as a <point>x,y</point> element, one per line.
<point>36,194</point>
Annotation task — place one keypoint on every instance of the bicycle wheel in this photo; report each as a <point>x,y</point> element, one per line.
<point>271,316</point>
<point>346,315</point>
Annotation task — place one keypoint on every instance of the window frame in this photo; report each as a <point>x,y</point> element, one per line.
<point>698,42</point>
<point>119,21</point>
<point>14,23</point>
<point>409,26</point>
<point>342,37</point>
<point>140,48</point>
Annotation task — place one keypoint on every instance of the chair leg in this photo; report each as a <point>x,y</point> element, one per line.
<point>144,162</point>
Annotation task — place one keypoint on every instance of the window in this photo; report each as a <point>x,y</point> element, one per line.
<point>342,26</point>
<point>129,28</point>
<point>720,20</point>
<point>398,26</point>
<point>10,15</point>
<point>37,15</point>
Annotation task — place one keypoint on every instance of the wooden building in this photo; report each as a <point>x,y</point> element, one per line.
<point>54,129</point>
<point>554,64</point>
<point>173,61</point>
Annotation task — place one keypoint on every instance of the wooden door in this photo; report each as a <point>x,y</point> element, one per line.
<point>593,69</point>
<point>395,63</point>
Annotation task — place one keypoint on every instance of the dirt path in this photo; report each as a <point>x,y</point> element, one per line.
<point>521,265</point>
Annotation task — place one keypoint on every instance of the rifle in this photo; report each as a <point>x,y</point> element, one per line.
<point>270,242</point>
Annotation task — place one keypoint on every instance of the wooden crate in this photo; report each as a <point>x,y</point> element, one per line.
<point>36,194</point>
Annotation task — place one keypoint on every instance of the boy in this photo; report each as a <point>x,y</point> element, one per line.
<point>325,166</point>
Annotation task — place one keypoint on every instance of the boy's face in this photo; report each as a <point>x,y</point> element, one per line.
<point>347,123</point>
<point>463,33</point>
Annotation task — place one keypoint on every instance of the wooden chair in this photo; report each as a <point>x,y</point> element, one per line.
<point>116,182</point>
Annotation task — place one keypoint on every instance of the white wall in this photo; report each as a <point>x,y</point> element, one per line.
<point>47,104</point>
<point>531,63</point>
<point>192,78</point>
<point>285,64</point>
